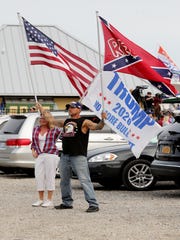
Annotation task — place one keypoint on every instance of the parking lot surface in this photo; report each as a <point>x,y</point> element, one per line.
<point>123,215</point>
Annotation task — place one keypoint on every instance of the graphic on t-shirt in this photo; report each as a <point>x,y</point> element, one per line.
<point>70,129</point>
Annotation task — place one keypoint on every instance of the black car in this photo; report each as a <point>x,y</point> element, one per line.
<point>116,165</point>
<point>167,159</point>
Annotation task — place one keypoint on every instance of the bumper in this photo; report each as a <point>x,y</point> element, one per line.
<point>6,163</point>
<point>19,157</point>
<point>167,169</point>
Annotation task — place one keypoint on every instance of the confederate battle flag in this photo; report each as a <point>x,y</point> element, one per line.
<point>122,55</point>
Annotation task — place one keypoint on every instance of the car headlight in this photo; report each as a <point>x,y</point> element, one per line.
<point>104,157</point>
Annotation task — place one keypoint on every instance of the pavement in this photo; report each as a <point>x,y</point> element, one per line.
<point>123,215</point>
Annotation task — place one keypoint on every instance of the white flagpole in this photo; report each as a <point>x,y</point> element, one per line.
<point>26,53</point>
<point>100,64</point>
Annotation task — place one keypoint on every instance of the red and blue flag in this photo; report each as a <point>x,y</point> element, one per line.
<point>122,55</point>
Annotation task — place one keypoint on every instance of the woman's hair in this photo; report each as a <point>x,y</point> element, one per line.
<point>49,118</point>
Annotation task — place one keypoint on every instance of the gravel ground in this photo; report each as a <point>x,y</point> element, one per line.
<point>123,214</point>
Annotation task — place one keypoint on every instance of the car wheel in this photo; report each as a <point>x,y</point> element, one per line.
<point>137,175</point>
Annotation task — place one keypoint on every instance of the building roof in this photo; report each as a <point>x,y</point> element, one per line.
<point>17,76</point>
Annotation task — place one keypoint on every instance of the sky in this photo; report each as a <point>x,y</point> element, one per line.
<point>146,23</point>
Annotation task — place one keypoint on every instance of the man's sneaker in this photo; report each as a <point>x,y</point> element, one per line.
<point>38,203</point>
<point>62,206</point>
<point>92,209</point>
<point>47,203</point>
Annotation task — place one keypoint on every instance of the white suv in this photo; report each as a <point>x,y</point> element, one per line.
<point>16,136</point>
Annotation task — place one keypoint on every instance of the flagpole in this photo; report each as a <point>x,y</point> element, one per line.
<point>26,53</point>
<point>100,65</point>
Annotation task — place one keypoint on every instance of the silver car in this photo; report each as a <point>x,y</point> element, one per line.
<point>16,137</point>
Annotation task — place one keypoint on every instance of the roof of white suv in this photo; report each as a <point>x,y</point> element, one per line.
<point>25,122</point>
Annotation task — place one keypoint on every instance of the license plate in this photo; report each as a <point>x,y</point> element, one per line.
<point>166,149</point>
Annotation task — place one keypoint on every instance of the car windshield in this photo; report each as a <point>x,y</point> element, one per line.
<point>13,125</point>
<point>154,140</point>
<point>171,129</point>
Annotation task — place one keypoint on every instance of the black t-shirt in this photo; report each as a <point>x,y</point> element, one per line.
<point>74,141</point>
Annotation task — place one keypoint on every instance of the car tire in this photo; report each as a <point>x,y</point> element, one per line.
<point>137,175</point>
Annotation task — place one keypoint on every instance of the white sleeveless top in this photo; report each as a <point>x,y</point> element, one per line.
<point>42,139</point>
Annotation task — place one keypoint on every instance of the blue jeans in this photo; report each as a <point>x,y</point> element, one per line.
<point>79,165</point>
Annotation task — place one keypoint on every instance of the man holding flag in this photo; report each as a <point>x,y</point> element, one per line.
<point>74,155</point>
<point>44,51</point>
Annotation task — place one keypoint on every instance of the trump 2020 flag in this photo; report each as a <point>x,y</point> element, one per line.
<point>124,114</point>
<point>44,51</point>
<point>122,55</point>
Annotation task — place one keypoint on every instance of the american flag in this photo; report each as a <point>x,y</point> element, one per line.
<point>44,51</point>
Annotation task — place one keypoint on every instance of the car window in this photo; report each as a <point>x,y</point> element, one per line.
<point>60,118</point>
<point>36,123</point>
<point>2,124</point>
<point>13,125</point>
<point>106,129</point>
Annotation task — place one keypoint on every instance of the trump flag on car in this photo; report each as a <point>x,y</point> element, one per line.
<point>124,114</point>
<point>122,55</point>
